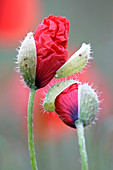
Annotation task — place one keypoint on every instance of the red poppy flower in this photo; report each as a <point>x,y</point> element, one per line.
<point>51,39</point>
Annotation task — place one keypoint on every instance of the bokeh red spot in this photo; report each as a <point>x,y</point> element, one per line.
<point>17,17</point>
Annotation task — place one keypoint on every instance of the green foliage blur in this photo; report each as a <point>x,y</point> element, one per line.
<point>90,22</point>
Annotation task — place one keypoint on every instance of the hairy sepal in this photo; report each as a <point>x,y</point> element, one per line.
<point>53,92</point>
<point>26,60</point>
<point>76,62</point>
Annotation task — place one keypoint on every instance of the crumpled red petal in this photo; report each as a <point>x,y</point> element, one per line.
<point>51,38</point>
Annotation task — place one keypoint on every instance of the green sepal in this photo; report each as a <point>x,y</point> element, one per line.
<point>53,92</point>
<point>88,104</point>
<point>75,63</point>
<point>27,60</point>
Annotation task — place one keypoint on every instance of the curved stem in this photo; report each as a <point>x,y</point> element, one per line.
<point>30,129</point>
<point>81,140</point>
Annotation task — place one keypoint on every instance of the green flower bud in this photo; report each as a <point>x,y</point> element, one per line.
<point>72,101</point>
<point>76,62</point>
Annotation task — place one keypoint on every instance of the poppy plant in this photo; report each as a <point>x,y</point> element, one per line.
<point>43,56</point>
<point>38,59</point>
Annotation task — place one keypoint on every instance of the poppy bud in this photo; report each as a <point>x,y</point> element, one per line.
<point>43,53</point>
<point>76,62</point>
<point>74,102</point>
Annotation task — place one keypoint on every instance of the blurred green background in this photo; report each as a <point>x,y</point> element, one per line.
<point>91,21</point>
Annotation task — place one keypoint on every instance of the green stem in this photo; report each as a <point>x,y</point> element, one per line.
<point>30,129</point>
<point>81,140</point>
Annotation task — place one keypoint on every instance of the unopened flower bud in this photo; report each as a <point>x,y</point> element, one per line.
<point>74,102</point>
<point>76,62</point>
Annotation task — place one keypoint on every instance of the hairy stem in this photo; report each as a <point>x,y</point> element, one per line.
<point>81,141</point>
<point>30,129</point>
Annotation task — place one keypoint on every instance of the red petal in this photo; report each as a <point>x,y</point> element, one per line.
<point>46,68</point>
<point>51,39</point>
<point>66,105</point>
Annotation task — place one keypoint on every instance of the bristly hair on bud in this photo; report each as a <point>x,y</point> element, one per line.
<point>26,60</point>
<point>72,101</point>
<point>76,62</point>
